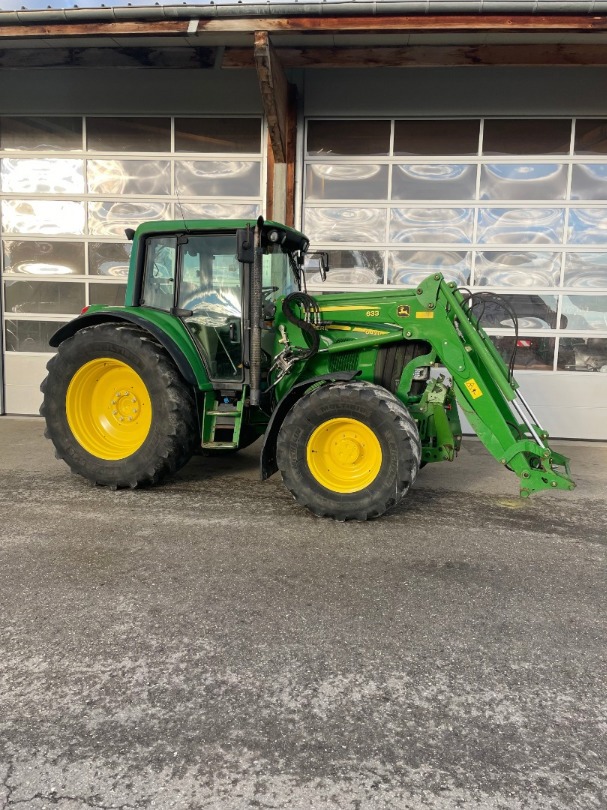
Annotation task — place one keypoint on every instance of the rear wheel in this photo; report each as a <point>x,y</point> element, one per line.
<point>116,408</point>
<point>349,451</point>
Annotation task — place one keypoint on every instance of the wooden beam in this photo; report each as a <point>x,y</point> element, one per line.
<point>394,24</point>
<point>124,29</point>
<point>180,57</point>
<point>324,24</point>
<point>428,56</point>
<point>274,90</point>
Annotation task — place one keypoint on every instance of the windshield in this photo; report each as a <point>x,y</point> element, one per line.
<point>278,278</point>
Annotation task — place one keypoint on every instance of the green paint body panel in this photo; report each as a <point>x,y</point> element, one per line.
<point>353,328</point>
<point>174,329</point>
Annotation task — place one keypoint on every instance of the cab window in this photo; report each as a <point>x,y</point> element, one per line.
<point>159,273</point>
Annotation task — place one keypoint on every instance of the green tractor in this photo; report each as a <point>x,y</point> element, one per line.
<point>219,344</point>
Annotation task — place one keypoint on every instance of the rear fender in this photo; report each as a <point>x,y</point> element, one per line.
<point>196,377</point>
<point>268,464</point>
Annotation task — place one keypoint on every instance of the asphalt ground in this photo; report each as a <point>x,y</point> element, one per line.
<point>209,644</point>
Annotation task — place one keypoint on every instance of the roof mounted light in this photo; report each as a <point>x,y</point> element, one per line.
<point>276,237</point>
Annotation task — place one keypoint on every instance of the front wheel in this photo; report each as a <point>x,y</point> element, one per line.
<point>116,408</point>
<point>349,451</point>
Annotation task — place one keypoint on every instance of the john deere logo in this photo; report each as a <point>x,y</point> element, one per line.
<point>403,311</point>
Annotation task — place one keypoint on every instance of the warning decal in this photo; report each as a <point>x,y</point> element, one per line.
<point>473,387</point>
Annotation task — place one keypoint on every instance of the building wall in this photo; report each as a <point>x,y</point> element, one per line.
<point>460,91</point>
<point>124,91</point>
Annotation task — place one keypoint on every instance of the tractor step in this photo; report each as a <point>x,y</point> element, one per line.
<point>219,445</point>
<point>223,413</point>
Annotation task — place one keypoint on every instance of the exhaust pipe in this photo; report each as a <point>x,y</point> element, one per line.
<point>256,301</point>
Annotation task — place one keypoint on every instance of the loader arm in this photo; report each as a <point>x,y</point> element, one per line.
<point>438,314</point>
<point>485,391</point>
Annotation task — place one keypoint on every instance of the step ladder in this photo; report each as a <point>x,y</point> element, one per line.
<point>221,415</point>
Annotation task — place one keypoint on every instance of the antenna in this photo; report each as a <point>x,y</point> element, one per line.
<point>187,230</point>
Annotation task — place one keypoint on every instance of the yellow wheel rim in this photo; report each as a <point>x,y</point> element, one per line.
<point>108,409</point>
<point>344,455</point>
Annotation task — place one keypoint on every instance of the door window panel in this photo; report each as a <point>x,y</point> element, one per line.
<point>408,267</point>
<point>431,224</point>
<point>517,269</point>
<point>110,218</point>
<point>218,178</point>
<point>433,181</point>
<point>520,226</point>
<point>523,181</point>
<point>51,297</point>
<point>582,354</point>
<point>590,137</point>
<point>346,224</point>
<point>589,181</point>
<point>436,137</point>
<point>128,134</point>
<point>586,270</point>
<point>533,353</point>
<point>542,136</point>
<point>588,226</point>
<point>348,138</point>
<point>218,135</point>
<point>363,267</point>
<point>211,210</point>
<point>534,311</point>
<point>109,259</point>
<point>343,181</point>
<point>30,336</point>
<point>41,258</point>
<point>585,312</point>
<point>41,134</point>
<point>43,217</point>
<point>111,177</point>
<point>42,176</point>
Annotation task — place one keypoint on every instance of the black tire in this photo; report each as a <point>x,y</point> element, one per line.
<point>392,359</point>
<point>169,441</point>
<point>380,412</point>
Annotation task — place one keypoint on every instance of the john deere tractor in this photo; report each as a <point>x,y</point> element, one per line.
<point>219,343</point>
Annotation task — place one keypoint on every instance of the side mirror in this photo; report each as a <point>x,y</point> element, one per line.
<point>317,262</point>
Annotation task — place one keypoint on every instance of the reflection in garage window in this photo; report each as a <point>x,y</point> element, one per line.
<point>518,206</point>
<point>532,353</point>
<point>30,336</point>
<point>582,354</point>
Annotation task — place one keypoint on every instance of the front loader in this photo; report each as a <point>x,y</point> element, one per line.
<point>219,344</point>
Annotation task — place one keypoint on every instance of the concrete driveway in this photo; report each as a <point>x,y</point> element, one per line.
<point>209,644</point>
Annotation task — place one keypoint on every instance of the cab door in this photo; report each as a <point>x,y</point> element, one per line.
<point>210,301</point>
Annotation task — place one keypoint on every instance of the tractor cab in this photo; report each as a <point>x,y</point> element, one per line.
<point>205,278</point>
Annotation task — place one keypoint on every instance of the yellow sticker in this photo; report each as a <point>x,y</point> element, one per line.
<point>424,314</point>
<point>473,387</point>
<point>367,331</point>
<point>347,308</point>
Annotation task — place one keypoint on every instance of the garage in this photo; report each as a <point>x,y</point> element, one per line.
<point>403,143</point>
